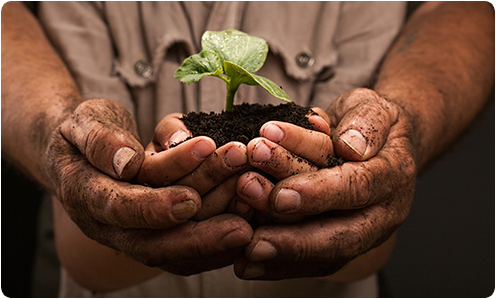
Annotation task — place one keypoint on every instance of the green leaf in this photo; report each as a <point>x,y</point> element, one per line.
<point>247,51</point>
<point>234,54</point>
<point>239,75</point>
<point>272,88</point>
<point>197,66</point>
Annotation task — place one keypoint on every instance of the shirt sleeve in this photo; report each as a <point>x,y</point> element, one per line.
<point>365,32</point>
<point>80,35</point>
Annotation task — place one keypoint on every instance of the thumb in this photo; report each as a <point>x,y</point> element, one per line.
<point>105,133</point>
<point>364,122</point>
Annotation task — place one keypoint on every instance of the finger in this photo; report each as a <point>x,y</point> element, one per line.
<point>167,166</point>
<point>254,189</point>
<point>311,145</point>
<point>132,206</point>
<point>105,133</point>
<point>223,163</point>
<point>350,186</point>
<point>88,194</point>
<point>276,160</point>
<point>364,121</point>
<point>217,200</point>
<point>171,131</point>
<point>320,120</point>
<point>187,249</point>
<point>316,247</point>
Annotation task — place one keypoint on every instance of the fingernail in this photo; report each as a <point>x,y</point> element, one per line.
<point>203,149</point>
<point>319,124</point>
<point>178,137</point>
<point>355,141</point>
<point>273,133</point>
<point>263,251</point>
<point>253,189</point>
<point>287,200</point>
<point>236,156</point>
<point>121,158</point>
<point>253,270</point>
<point>235,239</point>
<point>261,152</point>
<point>184,210</point>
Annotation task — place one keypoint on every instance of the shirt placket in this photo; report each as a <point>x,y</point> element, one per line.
<point>224,15</point>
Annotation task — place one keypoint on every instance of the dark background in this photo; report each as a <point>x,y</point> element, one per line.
<point>446,246</point>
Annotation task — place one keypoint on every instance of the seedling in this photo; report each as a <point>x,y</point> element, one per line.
<point>232,56</point>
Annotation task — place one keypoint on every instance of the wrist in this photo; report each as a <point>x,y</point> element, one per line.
<point>425,125</point>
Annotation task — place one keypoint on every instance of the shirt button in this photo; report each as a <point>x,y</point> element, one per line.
<point>143,69</point>
<point>304,59</point>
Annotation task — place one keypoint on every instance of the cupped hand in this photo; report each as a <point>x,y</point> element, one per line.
<point>173,157</point>
<point>149,224</point>
<point>350,209</point>
<point>105,133</point>
<point>284,150</point>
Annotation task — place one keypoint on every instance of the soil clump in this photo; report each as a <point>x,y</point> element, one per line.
<point>244,122</point>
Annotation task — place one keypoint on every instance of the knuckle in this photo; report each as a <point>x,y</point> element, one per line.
<point>294,245</point>
<point>359,96</point>
<point>376,124</point>
<point>116,211</point>
<point>213,170</point>
<point>360,185</point>
<point>325,150</point>
<point>140,251</point>
<point>205,252</point>
<point>149,216</point>
<point>134,212</point>
<point>300,144</point>
<point>357,241</point>
<point>364,92</point>
<point>311,250</point>
<point>94,141</point>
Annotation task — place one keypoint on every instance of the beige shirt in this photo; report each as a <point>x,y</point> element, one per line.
<point>128,52</point>
<point>223,283</point>
<point>103,43</point>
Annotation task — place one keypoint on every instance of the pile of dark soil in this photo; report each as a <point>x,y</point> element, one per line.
<point>244,122</point>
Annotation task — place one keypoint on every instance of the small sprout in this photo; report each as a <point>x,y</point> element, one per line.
<point>232,56</point>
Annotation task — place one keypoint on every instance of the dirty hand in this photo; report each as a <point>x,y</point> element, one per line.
<point>284,150</point>
<point>349,209</point>
<point>90,156</point>
<point>173,158</point>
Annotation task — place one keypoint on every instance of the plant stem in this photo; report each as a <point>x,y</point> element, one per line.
<point>231,91</point>
<point>223,78</point>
